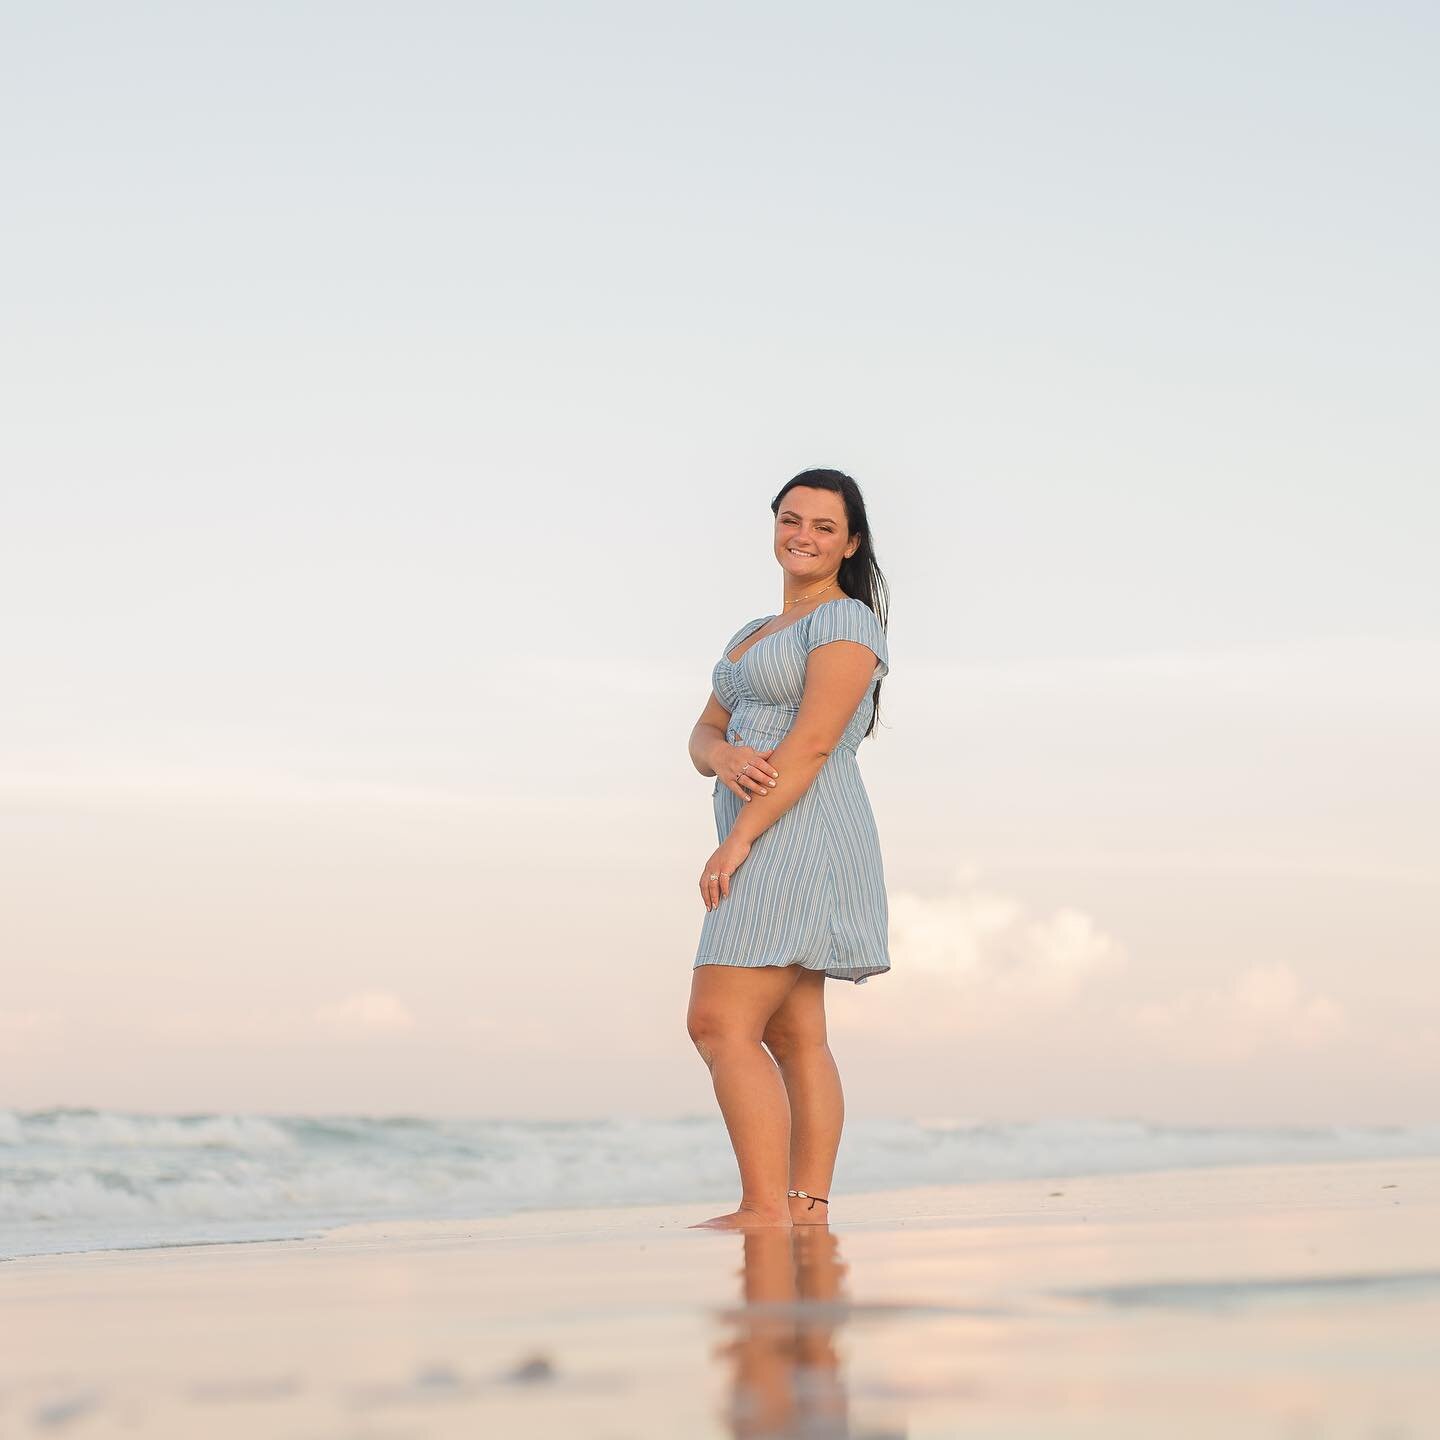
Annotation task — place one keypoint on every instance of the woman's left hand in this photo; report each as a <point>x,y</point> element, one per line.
<point>715,877</point>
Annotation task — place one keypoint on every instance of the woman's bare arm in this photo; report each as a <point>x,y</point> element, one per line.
<point>837,675</point>
<point>709,732</point>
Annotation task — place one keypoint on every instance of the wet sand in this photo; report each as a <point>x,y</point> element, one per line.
<point>1288,1301</point>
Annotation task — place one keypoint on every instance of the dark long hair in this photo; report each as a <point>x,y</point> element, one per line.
<point>860,575</point>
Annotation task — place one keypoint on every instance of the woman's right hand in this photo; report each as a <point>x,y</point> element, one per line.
<point>744,769</point>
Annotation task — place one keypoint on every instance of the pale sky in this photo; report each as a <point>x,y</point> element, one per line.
<point>393,400</point>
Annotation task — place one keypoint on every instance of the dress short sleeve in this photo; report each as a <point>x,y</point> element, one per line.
<point>848,619</point>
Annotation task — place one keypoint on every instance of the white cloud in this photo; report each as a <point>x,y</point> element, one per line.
<point>980,940</point>
<point>367,1012</point>
<point>1264,1008</point>
<point>975,962</point>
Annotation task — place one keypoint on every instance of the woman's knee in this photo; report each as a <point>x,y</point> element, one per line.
<point>712,1027</point>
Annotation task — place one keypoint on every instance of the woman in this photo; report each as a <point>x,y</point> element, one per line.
<point>796,891</point>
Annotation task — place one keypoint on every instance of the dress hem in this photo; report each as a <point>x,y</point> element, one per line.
<point>830,972</point>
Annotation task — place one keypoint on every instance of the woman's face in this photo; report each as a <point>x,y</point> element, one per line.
<point>811,538</point>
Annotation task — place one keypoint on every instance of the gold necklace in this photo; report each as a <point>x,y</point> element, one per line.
<point>810,596</point>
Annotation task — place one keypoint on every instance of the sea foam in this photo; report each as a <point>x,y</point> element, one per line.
<point>77,1179</point>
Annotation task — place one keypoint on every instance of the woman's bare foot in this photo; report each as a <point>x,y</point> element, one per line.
<point>744,1219</point>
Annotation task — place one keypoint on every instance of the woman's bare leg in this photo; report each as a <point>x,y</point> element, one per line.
<point>730,1007</point>
<point>798,1040</point>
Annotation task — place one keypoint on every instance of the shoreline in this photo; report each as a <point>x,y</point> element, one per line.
<point>890,1197</point>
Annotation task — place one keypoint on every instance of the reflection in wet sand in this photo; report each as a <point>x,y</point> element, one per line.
<point>787,1374</point>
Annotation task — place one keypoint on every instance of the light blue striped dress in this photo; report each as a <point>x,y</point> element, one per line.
<point>812,890</point>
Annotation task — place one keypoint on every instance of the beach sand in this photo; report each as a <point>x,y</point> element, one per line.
<point>1287,1301</point>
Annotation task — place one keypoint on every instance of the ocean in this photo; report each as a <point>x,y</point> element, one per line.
<point>79,1179</point>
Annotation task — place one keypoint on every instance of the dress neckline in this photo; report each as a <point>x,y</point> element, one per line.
<point>766,620</point>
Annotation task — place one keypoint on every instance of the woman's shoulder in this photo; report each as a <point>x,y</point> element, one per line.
<point>848,618</point>
<point>847,610</point>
